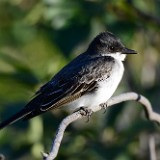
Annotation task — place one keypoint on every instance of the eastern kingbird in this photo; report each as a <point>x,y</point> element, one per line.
<point>87,81</point>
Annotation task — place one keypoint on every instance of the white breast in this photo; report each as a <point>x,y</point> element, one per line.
<point>104,92</point>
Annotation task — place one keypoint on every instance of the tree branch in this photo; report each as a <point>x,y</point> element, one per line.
<point>152,147</point>
<point>112,101</point>
<point>2,157</point>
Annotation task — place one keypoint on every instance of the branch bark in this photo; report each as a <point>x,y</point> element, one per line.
<point>152,148</point>
<point>150,114</point>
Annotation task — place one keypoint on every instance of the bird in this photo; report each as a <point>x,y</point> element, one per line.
<point>86,82</point>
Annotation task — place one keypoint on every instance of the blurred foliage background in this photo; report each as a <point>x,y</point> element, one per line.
<point>38,37</point>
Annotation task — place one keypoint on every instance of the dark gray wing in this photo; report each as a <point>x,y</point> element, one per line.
<point>73,81</point>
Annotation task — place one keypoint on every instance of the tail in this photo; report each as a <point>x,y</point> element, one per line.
<point>29,111</point>
<point>19,115</point>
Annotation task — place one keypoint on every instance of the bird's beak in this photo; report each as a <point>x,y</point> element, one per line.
<point>128,51</point>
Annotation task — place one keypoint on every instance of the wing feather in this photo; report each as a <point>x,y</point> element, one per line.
<point>74,80</point>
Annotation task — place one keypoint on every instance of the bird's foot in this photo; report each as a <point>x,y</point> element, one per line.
<point>104,107</point>
<point>85,111</point>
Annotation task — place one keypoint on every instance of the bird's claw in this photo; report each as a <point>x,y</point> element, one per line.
<point>85,111</point>
<point>104,107</point>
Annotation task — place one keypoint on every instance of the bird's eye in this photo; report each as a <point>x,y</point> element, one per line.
<point>111,48</point>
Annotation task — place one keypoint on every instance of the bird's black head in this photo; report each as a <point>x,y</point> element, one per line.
<point>107,43</point>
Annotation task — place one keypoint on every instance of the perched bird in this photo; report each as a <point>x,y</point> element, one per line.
<point>87,81</point>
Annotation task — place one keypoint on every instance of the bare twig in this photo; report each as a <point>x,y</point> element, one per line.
<point>114,100</point>
<point>2,157</point>
<point>152,148</point>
